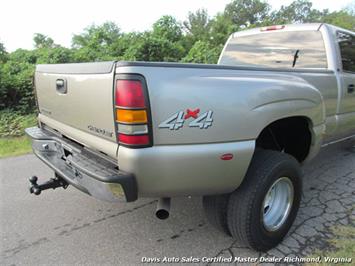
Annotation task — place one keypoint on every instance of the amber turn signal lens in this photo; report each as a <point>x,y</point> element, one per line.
<point>131,116</point>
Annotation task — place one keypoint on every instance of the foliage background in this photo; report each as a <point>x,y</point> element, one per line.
<point>198,39</point>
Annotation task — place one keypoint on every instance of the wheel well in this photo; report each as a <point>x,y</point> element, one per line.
<point>291,135</point>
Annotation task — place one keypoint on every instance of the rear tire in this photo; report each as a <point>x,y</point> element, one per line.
<point>261,211</point>
<point>215,208</point>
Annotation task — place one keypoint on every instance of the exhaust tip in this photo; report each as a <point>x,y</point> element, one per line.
<point>162,214</point>
<point>163,208</point>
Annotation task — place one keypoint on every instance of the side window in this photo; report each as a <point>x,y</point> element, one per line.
<point>347,50</point>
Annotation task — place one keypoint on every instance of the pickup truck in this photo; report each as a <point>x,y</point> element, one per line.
<point>235,133</point>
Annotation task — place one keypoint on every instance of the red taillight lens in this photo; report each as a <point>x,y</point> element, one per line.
<point>133,140</point>
<point>132,116</point>
<point>129,93</point>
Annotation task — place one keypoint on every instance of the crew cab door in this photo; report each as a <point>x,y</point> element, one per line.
<point>346,109</point>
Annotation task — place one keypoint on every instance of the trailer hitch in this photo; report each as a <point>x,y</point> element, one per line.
<point>51,183</point>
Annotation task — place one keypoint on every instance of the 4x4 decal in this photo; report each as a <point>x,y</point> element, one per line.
<point>177,120</point>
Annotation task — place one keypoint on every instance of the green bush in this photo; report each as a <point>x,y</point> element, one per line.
<point>203,52</point>
<point>13,124</point>
<point>16,90</point>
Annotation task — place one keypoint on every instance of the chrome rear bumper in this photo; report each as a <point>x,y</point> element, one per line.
<point>81,168</point>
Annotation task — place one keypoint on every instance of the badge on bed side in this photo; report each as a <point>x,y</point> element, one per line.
<point>177,120</point>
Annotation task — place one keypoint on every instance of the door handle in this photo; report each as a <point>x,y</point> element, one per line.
<point>351,88</point>
<point>61,86</point>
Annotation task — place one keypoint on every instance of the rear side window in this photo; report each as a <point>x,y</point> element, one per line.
<point>347,50</point>
<point>283,49</point>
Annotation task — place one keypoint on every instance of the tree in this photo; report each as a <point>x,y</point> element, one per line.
<point>198,25</point>
<point>341,19</point>
<point>152,48</point>
<point>96,42</point>
<point>167,28</point>
<point>3,53</point>
<point>42,41</point>
<point>123,43</point>
<point>203,52</point>
<point>221,27</point>
<point>102,35</point>
<point>3,59</point>
<point>23,56</point>
<point>246,13</point>
<point>56,55</point>
<point>16,86</point>
<point>163,43</point>
<point>299,11</point>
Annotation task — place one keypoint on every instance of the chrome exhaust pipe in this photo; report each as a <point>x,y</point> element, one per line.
<point>163,208</point>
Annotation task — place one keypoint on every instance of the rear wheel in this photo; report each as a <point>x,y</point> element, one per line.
<point>261,211</point>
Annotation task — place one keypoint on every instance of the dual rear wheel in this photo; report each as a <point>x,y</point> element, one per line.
<point>261,211</point>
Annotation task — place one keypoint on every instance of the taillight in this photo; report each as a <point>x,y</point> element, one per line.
<point>129,93</point>
<point>275,27</point>
<point>131,116</point>
<point>132,112</point>
<point>134,139</point>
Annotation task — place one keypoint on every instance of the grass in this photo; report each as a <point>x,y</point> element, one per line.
<point>13,141</point>
<point>343,246</point>
<point>14,146</point>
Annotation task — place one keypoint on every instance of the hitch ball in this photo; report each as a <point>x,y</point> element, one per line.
<point>34,186</point>
<point>51,183</point>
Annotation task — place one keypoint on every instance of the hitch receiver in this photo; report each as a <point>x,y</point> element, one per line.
<point>51,183</point>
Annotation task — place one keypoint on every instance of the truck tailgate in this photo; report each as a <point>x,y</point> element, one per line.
<point>78,96</point>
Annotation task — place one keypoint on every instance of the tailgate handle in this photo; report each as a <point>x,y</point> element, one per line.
<point>61,86</point>
<point>350,88</point>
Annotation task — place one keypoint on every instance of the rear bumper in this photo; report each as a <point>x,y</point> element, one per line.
<point>81,168</point>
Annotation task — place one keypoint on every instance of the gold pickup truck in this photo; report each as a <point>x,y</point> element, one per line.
<point>235,133</point>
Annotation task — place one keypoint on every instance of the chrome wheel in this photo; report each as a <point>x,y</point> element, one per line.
<point>277,204</point>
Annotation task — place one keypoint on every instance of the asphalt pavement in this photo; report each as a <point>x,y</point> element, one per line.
<point>66,227</point>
